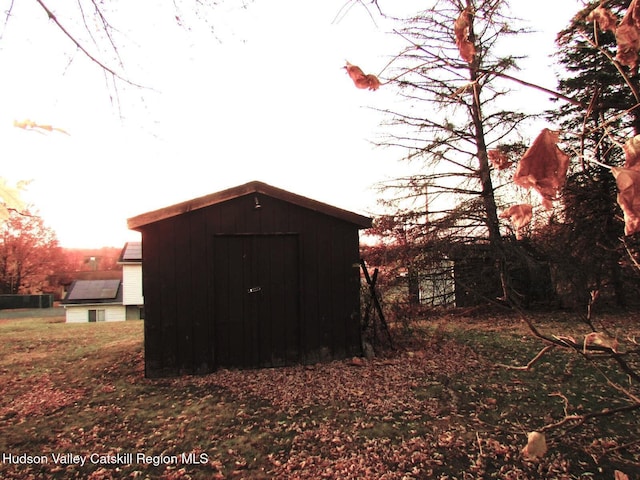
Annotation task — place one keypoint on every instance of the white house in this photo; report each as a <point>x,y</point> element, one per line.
<point>94,301</point>
<point>111,299</point>
<point>131,261</point>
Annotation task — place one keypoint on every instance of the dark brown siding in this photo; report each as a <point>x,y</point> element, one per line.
<point>199,314</point>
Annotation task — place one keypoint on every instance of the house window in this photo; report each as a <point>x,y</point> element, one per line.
<point>96,316</point>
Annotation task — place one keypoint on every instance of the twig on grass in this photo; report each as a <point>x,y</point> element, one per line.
<point>479,444</point>
<point>531,363</point>
<point>581,419</point>
<point>565,400</point>
<point>586,349</point>
<point>624,446</point>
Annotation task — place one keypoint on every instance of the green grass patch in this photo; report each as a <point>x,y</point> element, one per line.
<point>440,408</point>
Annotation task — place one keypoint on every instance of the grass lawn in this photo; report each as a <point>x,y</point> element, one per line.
<point>74,403</point>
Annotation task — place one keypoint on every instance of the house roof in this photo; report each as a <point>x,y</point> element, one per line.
<point>131,253</point>
<point>67,278</point>
<point>139,221</point>
<point>94,291</point>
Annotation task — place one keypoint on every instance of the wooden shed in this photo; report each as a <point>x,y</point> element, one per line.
<point>252,276</point>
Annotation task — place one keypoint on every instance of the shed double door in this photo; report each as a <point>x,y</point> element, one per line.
<point>256,300</point>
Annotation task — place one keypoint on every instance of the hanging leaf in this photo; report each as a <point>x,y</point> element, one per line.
<point>10,198</point>
<point>543,167</point>
<point>628,41</point>
<point>628,36</point>
<point>360,79</point>
<point>31,125</point>
<point>498,159</point>
<point>461,29</point>
<point>632,152</point>
<point>628,182</point>
<point>604,18</point>
<point>519,216</point>
<point>536,445</point>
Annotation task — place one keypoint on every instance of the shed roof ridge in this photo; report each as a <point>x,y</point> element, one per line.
<point>254,186</point>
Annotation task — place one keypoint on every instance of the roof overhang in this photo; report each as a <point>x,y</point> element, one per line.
<point>140,221</point>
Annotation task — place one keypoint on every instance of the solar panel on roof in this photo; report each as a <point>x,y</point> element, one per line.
<point>133,251</point>
<point>94,290</point>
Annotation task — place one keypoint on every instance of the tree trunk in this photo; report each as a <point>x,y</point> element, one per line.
<point>493,223</point>
<point>484,172</point>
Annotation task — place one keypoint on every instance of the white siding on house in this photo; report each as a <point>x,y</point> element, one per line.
<point>76,314</point>
<point>80,313</point>
<point>132,284</point>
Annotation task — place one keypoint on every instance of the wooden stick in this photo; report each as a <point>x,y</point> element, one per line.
<point>374,296</point>
<point>533,361</point>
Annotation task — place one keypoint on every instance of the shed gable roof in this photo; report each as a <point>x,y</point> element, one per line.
<point>139,221</point>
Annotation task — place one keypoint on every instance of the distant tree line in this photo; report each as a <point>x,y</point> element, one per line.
<point>32,261</point>
<point>29,254</point>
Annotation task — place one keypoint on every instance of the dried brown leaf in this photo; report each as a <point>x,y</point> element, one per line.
<point>536,445</point>
<point>633,13</point>
<point>543,167</point>
<point>31,125</point>
<point>628,182</point>
<point>618,475</point>
<point>360,79</point>
<point>632,153</point>
<point>600,339</point>
<point>628,40</point>
<point>498,159</point>
<point>605,19</point>
<point>461,29</point>
<point>519,216</point>
<point>628,36</point>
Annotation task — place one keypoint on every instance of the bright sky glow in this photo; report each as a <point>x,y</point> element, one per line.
<point>266,100</point>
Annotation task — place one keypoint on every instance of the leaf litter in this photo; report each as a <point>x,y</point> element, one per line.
<point>436,408</point>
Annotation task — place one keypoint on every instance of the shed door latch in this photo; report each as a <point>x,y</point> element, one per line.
<point>254,289</point>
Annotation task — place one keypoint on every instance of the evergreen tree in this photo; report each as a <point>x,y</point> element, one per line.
<point>584,247</point>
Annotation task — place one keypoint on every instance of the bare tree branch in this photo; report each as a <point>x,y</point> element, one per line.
<point>537,87</point>
<point>6,18</point>
<point>91,57</point>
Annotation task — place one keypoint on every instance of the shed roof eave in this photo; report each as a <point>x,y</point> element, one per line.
<point>90,303</point>
<point>139,221</point>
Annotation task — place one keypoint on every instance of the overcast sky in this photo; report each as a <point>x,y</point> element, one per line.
<point>263,98</point>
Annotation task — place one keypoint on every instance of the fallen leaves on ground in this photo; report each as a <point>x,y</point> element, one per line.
<point>436,408</point>
<point>41,396</point>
